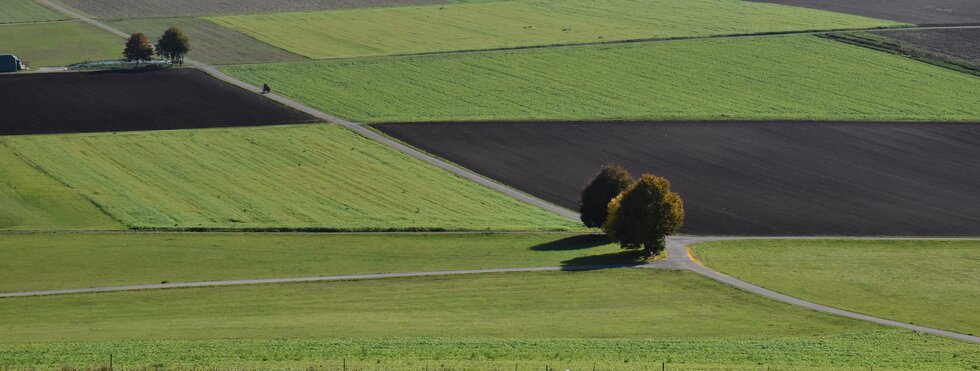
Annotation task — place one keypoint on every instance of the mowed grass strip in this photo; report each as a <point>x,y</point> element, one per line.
<point>615,303</point>
<point>46,261</point>
<point>59,44</point>
<point>31,200</point>
<point>18,11</point>
<point>504,24</point>
<point>929,283</point>
<point>779,77</point>
<point>210,43</point>
<point>306,177</point>
<point>889,349</point>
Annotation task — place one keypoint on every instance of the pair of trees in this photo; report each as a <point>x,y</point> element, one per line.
<point>637,214</point>
<point>173,45</point>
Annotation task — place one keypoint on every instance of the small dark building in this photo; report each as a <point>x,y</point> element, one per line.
<point>10,63</point>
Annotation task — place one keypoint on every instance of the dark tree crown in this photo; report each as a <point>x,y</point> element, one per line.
<point>138,48</point>
<point>645,214</point>
<point>595,197</point>
<point>173,45</point>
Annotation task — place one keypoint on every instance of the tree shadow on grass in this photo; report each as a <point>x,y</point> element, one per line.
<point>620,259</point>
<point>580,242</point>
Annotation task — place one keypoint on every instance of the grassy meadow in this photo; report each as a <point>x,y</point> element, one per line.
<point>30,200</point>
<point>506,24</point>
<point>301,177</point>
<point>614,303</point>
<point>20,11</point>
<point>58,44</point>
<point>779,77</point>
<point>928,283</point>
<point>210,43</point>
<point>46,261</point>
<point>888,349</point>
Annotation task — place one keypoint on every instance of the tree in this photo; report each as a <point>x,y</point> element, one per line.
<point>138,48</point>
<point>173,45</point>
<point>609,182</point>
<point>644,215</point>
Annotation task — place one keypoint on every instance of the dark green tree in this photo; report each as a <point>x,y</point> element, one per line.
<point>594,199</point>
<point>644,215</point>
<point>138,48</point>
<point>173,45</point>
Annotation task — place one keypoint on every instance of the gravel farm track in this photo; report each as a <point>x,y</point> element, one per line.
<point>743,178</point>
<point>921,12</point>
<point>46,103</point>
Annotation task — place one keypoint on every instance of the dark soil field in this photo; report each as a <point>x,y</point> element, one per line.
<point>901,179</point>
<point>910,11</point>
<point>114,9</point>
<point>958,43</point>
<point>133,100</point>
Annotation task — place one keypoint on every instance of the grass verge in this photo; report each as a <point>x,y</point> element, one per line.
<point>928,283</point>
<point>889,349</point>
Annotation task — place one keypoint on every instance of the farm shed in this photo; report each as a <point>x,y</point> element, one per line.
<point>10,63</point>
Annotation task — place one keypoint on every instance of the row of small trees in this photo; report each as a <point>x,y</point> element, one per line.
<point>638,214</point>
<point>173,45</point>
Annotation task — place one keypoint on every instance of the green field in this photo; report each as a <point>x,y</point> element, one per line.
<point>30,200</point>
<point>46,261</point>
<point>59,44</point>
<point>889,349</point>
<point>210,43</point>
<point>505,24</point>
<point>18,11</point>
<point>929,283</point>
<point>616,303</point>
<point>779,77</point>
<point>302,177</point>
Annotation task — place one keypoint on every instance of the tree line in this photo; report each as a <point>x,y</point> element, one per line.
<point>638,214</point>
<point>172,46</point>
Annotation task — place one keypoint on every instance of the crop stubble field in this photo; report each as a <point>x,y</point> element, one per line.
<point>131,100</point>
<point>305,177</point>
<point>742,178</point>
<point>770,78</point>
<point>929,283</point>
<point>506,24</point>
<point>115,9</point>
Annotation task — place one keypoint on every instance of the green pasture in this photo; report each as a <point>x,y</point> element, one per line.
<point>18,11</point>
<point>507,24</point>
<point>58,44</point>
<point>778,77</point>
<point>210,43</point>
<point>929,283</point>
<point>30,200</point>
<point>302,177</point>
<point>615,303</point>
<point>881,349</point>
<point>46,261</point>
